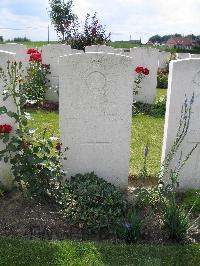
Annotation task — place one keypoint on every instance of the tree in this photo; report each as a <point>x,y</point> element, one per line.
<point>93,33</point>
<point>1,38</point>
<point>62,17</point>
<point>156,38</point>
<point>21,39</point>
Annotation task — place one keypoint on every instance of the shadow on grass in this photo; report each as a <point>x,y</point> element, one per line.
<point>155,110</point>
<point>24,252</point>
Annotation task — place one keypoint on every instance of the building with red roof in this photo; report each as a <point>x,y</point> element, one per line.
<point>180,43</point>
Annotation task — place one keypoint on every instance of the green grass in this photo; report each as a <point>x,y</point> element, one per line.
<point>35,253</point>
<point>146,130</point>
<point>124,44</point>
<point>36,44</point>
<point>161,92</point>
<point>42,119</point>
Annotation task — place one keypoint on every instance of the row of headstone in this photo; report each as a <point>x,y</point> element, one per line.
<point>96,114</point>
<point>5,172</point>
<point>146,57</point>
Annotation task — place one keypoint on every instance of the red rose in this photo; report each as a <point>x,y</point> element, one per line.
<point>5,128</point>
<point>139,69</point>
<point>31,51</point>
<point>36,57</point>
<point>145,71</point>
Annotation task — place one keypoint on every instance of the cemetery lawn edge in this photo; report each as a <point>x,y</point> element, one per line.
<point>26,252</point>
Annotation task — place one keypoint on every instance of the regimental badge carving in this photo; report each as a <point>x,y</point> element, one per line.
<point>96,81</point>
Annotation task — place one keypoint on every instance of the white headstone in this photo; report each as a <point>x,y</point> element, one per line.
<point>19,49</point>
<point>164,58</point>
<point>76,51</point>
<point>195,55</point>
<point>147,58</point>
<point>96,114</point>
<point>126,51</point>
<point>184,79</point>
<point>50,55</point>
<point>182,55</point>
<point>99,48</point>
<point>119,51</point>
<point>5,173</point>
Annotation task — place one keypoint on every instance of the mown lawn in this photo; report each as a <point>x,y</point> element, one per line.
<point>68,253</point>
<point>37,43</point>
<point>145,130</point>
<point>161,92</point>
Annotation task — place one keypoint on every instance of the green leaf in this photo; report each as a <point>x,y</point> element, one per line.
<point>3,110</point>
<point>6,138</point>
<point>13,115</point>
<point>6,159</point>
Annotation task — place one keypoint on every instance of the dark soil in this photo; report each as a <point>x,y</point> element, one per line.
<point>46,105</point>
<point>20,217</point>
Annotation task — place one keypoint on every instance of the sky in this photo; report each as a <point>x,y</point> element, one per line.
<point>138,18</point>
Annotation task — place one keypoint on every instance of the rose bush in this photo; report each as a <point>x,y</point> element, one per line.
<point>35,84</point>
<point>141,73</point>
<point>35,163</point>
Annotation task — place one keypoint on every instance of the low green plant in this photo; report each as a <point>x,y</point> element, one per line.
<point>130,228</point>
<point>147,197</point>
<point>35,162</point>
<point>184,123</point>
<point>2,191</point>
<point>192,200</point>
<point>159,107</point>
<point>162,79</point>
<point>144,172</point>
<point>92,203</point>
<point>176,221</point>
<point>141,108</point>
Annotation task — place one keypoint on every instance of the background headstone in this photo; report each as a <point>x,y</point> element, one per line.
<point>50,55</point>
<point>5,172</point>
<point>119,51</point>
<point>164,58</point>
<point>182,55</point>
<point>126,51</point>
<point>96,98</point>
<point>184,79</point>
<point>99,48</point>
<point>20,51</point>
<point>146,57</point>
<point>195,55</point>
